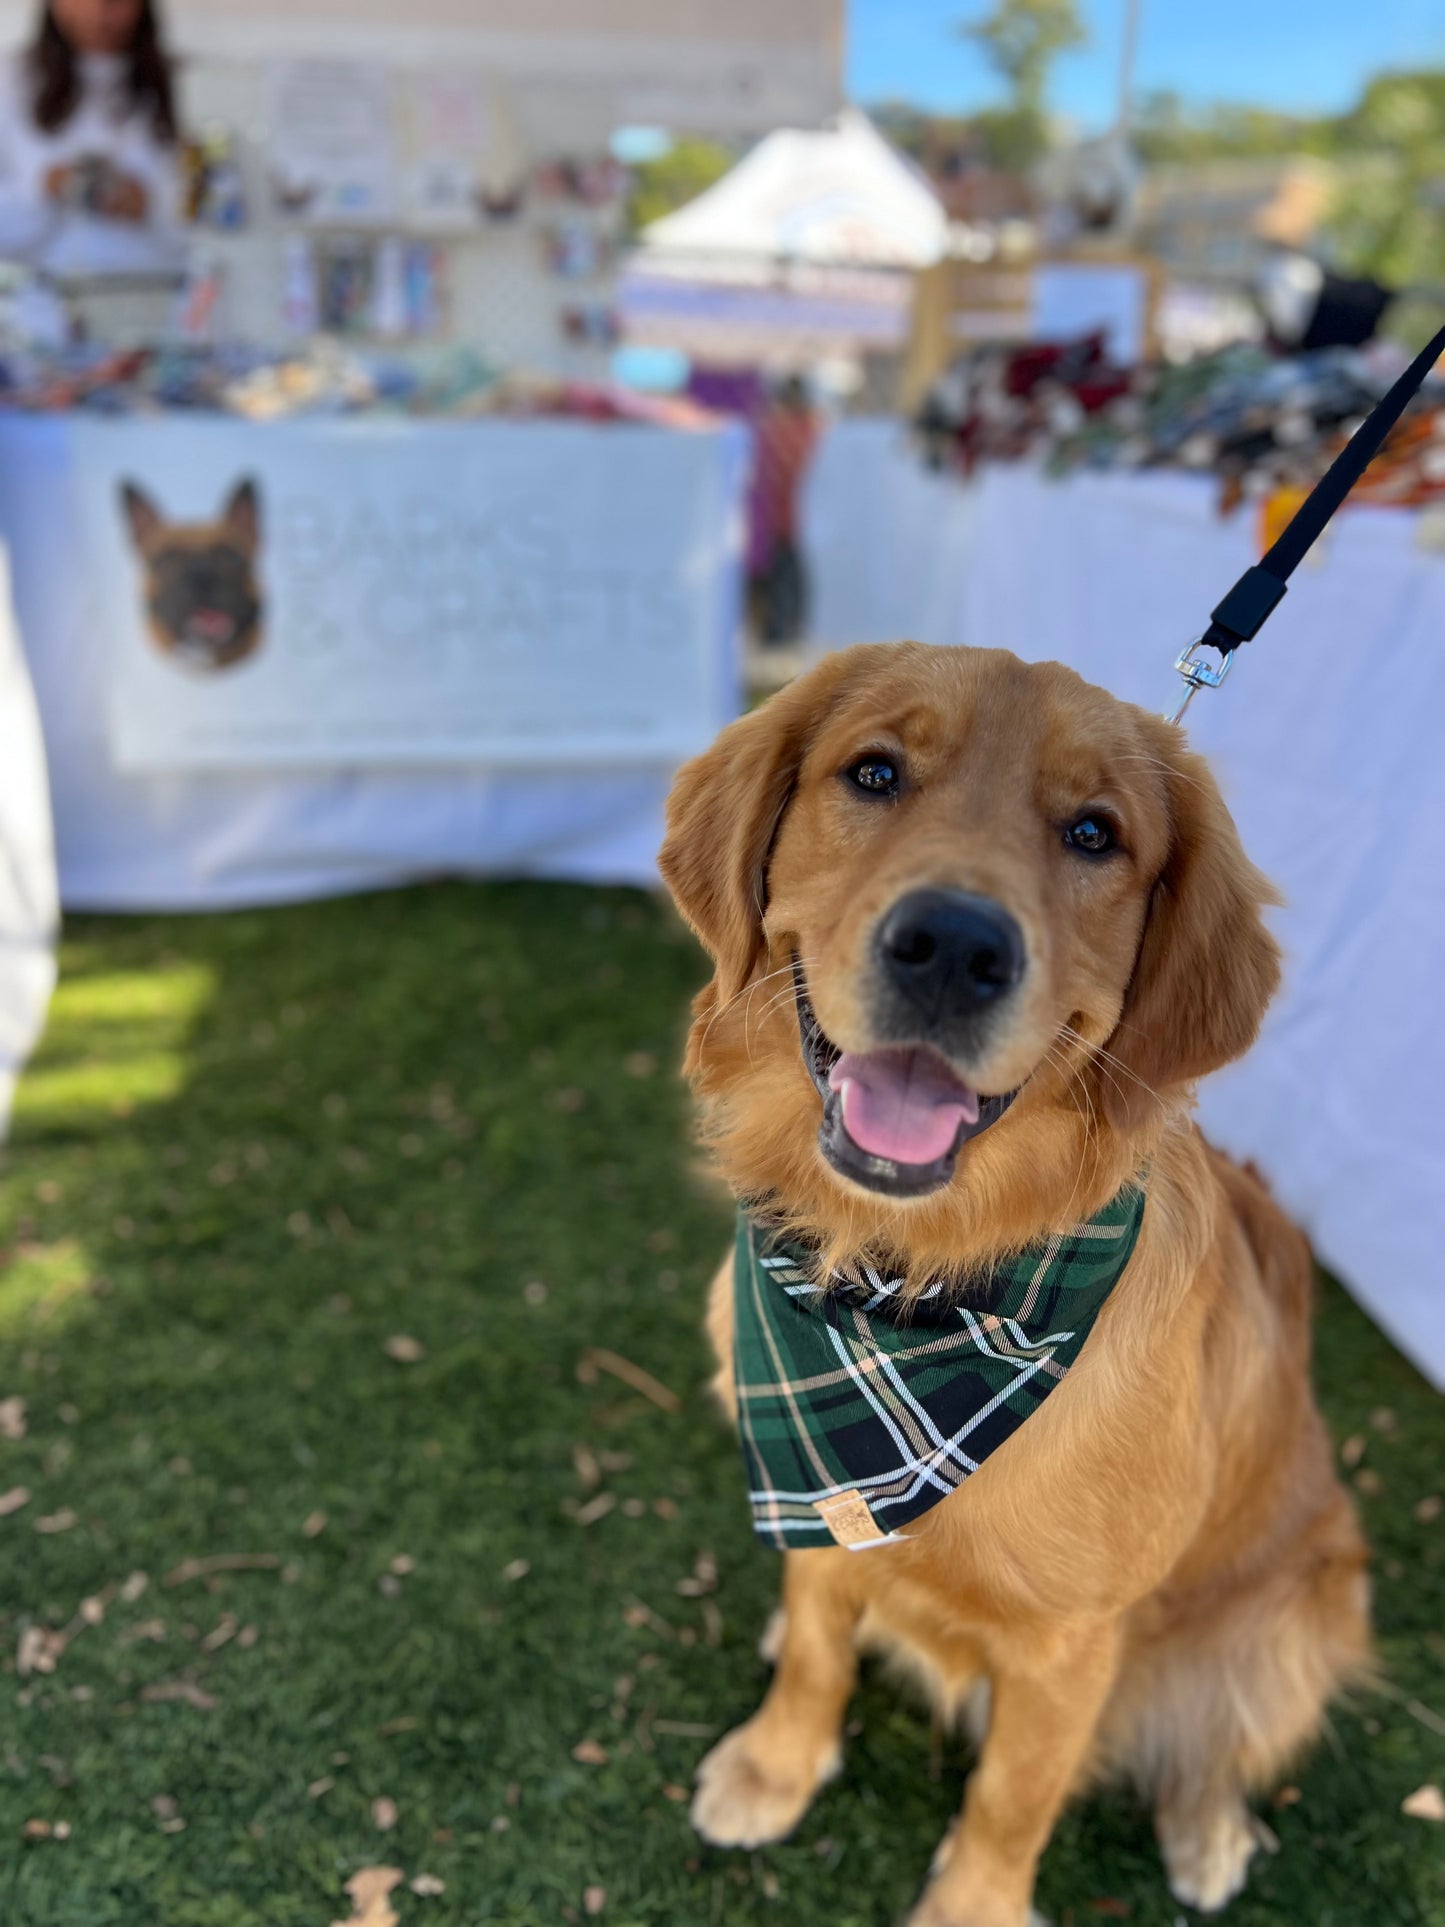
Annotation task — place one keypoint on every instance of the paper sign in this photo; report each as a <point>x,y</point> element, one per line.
<point>333,140</point>
<point>1074,298</point>
<point>323,593</point>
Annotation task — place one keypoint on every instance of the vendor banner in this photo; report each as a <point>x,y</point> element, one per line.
<point>362,592</point>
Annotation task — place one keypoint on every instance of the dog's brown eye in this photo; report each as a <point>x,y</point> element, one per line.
<point>1091,834</point>
<point>874,775</point>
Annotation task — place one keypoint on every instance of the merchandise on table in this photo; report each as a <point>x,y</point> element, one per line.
<point>326,379</point>
<point>1261,422</point>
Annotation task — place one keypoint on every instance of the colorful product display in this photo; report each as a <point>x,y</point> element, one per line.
<point>325,379</point>
<point>1261,422</point>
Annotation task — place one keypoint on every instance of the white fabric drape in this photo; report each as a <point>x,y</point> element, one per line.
<point>29,910</point>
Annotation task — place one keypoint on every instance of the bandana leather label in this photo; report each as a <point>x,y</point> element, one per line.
<point>859,1410</point>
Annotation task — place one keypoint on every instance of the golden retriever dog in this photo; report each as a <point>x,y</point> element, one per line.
<point>977,928</point>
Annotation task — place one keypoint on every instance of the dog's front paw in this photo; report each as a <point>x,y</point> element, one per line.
<point>744,1799</point>
<point>1208,1861</point>
<point>940,1908</point>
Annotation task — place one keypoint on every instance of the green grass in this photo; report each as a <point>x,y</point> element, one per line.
<point>254,1148</point>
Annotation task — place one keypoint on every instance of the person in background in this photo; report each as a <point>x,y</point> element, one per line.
<point>90,176</point>
<point>785,433</point>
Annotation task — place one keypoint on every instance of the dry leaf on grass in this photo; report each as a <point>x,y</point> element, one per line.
<point>427,1885</point>
<point>167,1810</point>
<point>1425,1803</point>
<point>313,1524</point>
<point>594,1899</point>
<point>588,1470</point>
<point>154,1630</point>
<point>12,1418</point>
<point>405,1350</point>
<point>384,1814</point>
<point>596,1508</point>
<point>39,1649</point>
<point>220,1562</point>
<point>516,1569</point>
<point>226,1628</point>
<point>11,1501</point>
<point>368,1889</point>
<point>590,1753</point>
<point>1352,1451</point>
<point>180,1689</point>
<point>1428,1509</point>
<point>318,1787</point>
<point>61,1521</point>
<point>703,1580</point>
<point>597,1358</point>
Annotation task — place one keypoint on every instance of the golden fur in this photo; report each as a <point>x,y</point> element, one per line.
<point>1159,1575</point>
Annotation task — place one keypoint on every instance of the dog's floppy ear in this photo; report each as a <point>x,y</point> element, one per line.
<point>1207,966</point>
<point>143,518</point>
<point>724,812</point>
<point>241,517</point>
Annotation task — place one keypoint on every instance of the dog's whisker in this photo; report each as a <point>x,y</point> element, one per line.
<point>748,990</point>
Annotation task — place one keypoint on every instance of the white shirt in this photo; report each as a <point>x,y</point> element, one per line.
<point>70,242</point>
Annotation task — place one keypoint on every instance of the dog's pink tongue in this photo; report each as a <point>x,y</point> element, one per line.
<point>214,624</point>
<point>905,1105</point>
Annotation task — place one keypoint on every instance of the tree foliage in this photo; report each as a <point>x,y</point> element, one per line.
<point>1387,218</point>
<point>1021,39</point>
<point>687,169</point>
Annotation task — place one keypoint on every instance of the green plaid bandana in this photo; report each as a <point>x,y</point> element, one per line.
<point>856,1417</point>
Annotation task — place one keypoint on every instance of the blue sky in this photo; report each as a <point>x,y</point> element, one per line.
<point>1304,55</point>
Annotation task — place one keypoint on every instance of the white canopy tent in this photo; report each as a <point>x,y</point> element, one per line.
<point>840,197</point>
<point>804,250</point>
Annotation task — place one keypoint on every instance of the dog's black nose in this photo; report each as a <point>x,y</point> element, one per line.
<point>950,953</point>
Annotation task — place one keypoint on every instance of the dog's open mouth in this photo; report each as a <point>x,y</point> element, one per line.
<point>893,1120</point>
<point>210,628</point>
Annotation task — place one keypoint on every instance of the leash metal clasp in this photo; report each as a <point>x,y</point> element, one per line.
<point>1198,674</point>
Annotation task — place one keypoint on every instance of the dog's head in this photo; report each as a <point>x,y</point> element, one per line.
<point>977,927</point>
<point>201,594</point>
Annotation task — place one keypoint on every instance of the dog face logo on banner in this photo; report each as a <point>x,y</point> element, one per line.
<point>202,600</point>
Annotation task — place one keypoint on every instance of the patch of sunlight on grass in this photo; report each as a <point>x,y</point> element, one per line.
<point>40,1284</point>
<point>171,992</point>
<point>83,1068</point>
<point>116,1087</point>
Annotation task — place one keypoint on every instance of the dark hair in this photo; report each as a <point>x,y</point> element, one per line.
<point>55,80</point>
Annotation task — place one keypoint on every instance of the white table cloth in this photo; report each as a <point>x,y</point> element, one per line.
<point>1326,742</point>
<point>208,839</point>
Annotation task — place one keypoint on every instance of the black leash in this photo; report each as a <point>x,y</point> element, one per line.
<point>1260,590</point>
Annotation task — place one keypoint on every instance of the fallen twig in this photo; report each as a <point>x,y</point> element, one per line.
<point>602,1360</point>
<point>221,1562</point>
